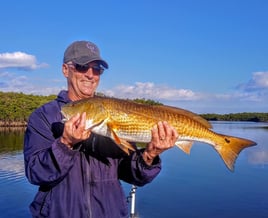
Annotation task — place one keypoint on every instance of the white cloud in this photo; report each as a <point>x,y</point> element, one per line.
<point>259,81</point>
<point>233,101</point>
<point>10,82</point>
<point>20,60</point>
<point>150,90</point>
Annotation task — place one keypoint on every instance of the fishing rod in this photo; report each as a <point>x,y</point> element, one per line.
<point>132,197</point>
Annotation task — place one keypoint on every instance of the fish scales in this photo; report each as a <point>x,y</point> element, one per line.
<point>125,120</point>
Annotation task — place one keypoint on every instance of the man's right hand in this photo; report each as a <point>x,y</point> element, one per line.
<point>74,130</point>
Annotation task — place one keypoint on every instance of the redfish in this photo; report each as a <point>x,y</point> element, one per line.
<point>126,121</point>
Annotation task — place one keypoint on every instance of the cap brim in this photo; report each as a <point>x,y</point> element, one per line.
<point>83,61</point>
<point>103,63</point>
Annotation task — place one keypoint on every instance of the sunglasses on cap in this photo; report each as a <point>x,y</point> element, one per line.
<point>97,69</point>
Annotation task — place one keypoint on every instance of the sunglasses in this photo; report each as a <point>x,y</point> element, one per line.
<point>97,69</point>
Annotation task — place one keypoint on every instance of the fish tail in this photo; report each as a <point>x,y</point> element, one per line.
<point>230,149</point>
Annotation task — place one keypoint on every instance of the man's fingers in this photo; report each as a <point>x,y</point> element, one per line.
<point>81,122</point>
<point>161,131</point>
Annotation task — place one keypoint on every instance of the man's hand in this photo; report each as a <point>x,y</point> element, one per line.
<point>164,137</point>
<point>74,130</point>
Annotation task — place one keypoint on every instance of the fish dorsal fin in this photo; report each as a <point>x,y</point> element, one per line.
<point>187,113</point>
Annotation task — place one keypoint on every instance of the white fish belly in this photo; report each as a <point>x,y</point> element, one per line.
<point>144,136</point>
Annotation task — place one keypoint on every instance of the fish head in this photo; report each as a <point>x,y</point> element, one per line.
<point>95,112</point>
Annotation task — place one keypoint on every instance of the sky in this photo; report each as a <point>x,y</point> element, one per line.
<point>208,56</point>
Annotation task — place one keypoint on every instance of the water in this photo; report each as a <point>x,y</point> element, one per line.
<point>15,192</point>
<point>195,185</point>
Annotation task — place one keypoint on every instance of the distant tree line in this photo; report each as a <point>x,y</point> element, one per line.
<point>15,109</point>
<point>147,101</point>
<point>254,117</point>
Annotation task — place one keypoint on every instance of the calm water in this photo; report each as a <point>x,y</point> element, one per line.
<point>195,185</point>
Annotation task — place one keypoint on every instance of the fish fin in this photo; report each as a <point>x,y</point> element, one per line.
<point>185,146</point>
<point>231,148</point>
<point>123,144</point>
<point>126,146</point>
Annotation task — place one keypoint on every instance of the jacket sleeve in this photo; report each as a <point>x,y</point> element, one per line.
<point>131,168</point>
<point>47,160</point>
<point>134,170</point>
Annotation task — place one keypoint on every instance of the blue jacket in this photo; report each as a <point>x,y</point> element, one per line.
<point>83,182</point>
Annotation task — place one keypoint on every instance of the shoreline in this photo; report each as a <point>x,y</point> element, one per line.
<point>9,124</point>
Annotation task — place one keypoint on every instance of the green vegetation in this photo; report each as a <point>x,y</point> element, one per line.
<point>15,109</point>
<point>254,117</point>
<point>147,101</point>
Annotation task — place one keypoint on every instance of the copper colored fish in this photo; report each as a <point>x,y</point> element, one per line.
<point>125,121</point>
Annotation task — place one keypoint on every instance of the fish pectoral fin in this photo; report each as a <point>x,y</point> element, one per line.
<point>185,146</point>
<point>123,144</point>
<point>126,146</point>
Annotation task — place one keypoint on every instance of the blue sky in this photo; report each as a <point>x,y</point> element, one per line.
<point>206,56</point>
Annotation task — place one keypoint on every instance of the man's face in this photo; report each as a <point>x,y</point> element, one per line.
<point>82,80</point>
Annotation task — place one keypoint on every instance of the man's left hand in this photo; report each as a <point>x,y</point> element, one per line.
<point>164,137</point>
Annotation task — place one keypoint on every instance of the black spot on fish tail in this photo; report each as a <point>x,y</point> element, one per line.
<point>227,140</point>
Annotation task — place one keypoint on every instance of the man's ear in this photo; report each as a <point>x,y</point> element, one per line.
<point>65,70</point>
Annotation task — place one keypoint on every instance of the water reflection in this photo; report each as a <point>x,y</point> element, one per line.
<point>16,192</point>
<point>258,157</point>
<point>11,139</point>
<point>195,185</point>
<point>11,142</point>
<point>12,165</point>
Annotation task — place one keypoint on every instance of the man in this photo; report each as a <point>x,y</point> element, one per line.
<point>78,171</point>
